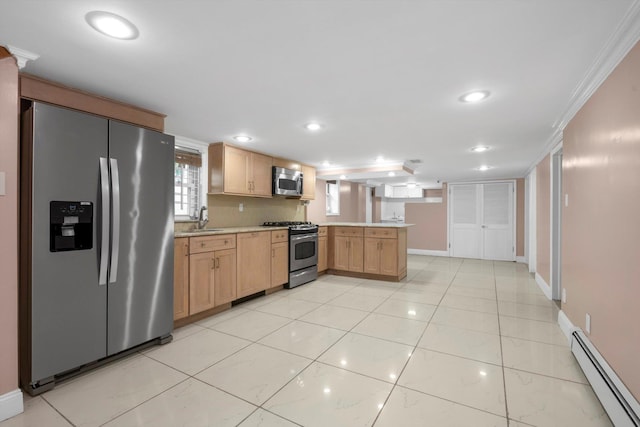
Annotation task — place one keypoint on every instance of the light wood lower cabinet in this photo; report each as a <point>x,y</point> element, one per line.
<point>212,273</point>
<point>322,253</point>
<point>253,262</point>
<point>381,256</point>
<point>349,253</point>
<point>279,263</point>
<point>181,278</point>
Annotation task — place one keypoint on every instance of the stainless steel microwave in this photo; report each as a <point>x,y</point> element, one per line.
<point>287,182</point>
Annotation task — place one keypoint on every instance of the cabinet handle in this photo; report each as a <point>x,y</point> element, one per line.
<point>213,263</point>
<point>202,244</point>
<point>217,262</point>
<point>186,249</point>
<point>273,253</point>
<point>226,242</point>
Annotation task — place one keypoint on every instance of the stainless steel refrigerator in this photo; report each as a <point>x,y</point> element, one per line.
<point>96,241</point>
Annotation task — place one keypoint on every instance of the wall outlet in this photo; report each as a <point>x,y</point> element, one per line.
<point>566,200</point>
<point>241,207</point>
<point>564,295</point>
<point>587,323</point>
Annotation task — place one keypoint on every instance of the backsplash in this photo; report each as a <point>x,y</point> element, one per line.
<point>224,210</point>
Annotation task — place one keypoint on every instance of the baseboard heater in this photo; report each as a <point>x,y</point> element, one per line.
<point>623,409</point>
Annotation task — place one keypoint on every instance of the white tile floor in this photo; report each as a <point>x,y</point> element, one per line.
<point>457,343</point>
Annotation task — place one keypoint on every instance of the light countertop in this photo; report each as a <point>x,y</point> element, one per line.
<point>226,230</point>
<point>366,224</point>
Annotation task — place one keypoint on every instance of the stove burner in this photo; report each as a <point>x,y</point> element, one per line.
<point>285,223</point>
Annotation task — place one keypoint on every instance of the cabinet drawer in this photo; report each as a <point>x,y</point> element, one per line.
<point>381,232</point>
<point>279,236</point>
<point>322,231</point>
<point>212,243</point>
<point>349,231</point>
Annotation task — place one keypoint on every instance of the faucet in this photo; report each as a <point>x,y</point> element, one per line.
<point>202,221</point>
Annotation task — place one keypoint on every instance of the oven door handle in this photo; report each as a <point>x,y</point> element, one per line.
<point>304,237</point>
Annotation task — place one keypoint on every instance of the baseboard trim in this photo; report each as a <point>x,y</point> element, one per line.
<point>521,259</point>
<point>11,404</point>
<point>566,326</point>
<point>544,286</point>
<point>427,252</point>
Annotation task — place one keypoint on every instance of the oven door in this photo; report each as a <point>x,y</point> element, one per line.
<point>303,251</point>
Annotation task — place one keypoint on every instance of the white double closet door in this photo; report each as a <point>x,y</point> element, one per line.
<point>481,221</point>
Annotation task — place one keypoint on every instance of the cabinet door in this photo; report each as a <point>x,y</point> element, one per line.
<point>261,176</point>
<point>181,278</point>
<point>356,254</point>
<point>341,253</point>
<point>389,257</point>
<point>308,183</point>
<point>201,282</point>
<point>322,253</point>
<point>225,276</point>
<point>254,262</point>
<point>279,263</point>
<point>372,255</point>
<point>236,170</point>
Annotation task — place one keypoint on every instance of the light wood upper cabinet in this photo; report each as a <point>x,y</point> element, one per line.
<point>308,183</point>
<point>253,262</point>
<point>233,170</point>
<point>181,278</point>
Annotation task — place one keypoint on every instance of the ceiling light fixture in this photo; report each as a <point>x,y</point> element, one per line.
<point>343,176</point>
<point>379,159</point>
<point>326,164</point>
<point>392,174</point>
<point>112,25</point>
<point>475,96</point>
<point>313,126</point>
<point>243,138</point>
<point>411,185</point>
<point>484,168</point>
<point>480,149</point>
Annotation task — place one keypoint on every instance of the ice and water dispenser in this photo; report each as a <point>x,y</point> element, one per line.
<point>71,226</point>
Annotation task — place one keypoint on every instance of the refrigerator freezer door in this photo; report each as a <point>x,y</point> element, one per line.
<point>140,300</point>
<point>68,307</point>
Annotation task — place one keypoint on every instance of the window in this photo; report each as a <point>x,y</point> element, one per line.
<point>333,197</point>
<point>187,183</point>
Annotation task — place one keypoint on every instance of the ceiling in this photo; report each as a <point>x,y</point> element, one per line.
<point>383,77</point>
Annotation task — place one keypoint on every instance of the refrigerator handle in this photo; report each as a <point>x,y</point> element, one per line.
<point>115,229</point>
<point>104,246</point>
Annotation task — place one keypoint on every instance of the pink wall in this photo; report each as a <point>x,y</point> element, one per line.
<point>9,224</point>
<point>430,224</point>
<point>600,227</point>
<point>352,203</point>
<point>543,219</point>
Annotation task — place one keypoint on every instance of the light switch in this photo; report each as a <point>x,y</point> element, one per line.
<point>566,200</point>
<point>587,323</point>
<point>3,190</point>
<point>241,207</point>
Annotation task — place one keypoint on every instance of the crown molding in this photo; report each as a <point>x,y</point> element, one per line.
<point>625,36</point>
<point>22,56</point>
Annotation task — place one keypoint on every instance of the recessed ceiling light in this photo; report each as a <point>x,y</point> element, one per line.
<point>326,164</point>
<point>313,126</point>
<point>243,138</point>
<point>379,159</point>
<point>475,96</point>
<point>343,176</point>
<point>392,174</point>
<point>484,168</point>
<point>411,185</point>
<point>112,25</point>
<point>480,149</point>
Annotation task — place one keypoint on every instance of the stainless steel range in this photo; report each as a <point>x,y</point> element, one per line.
<point>303,251</point>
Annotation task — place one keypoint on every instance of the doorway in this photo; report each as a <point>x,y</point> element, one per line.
<point>556,224</point>
<point>481,220</point>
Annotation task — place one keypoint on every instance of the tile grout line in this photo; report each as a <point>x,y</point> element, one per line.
<point>504,379</point>
<point>56,410</point>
